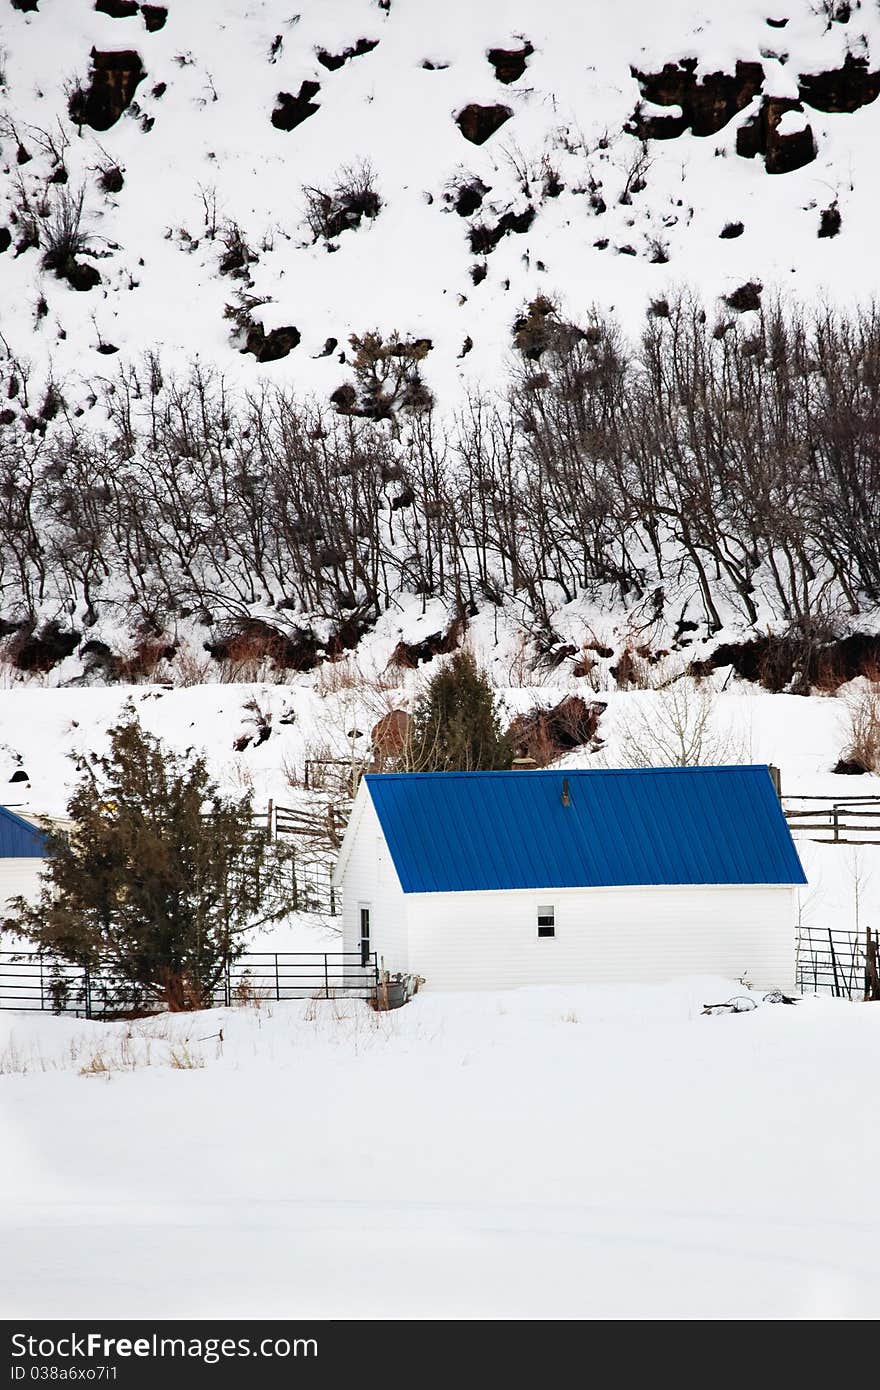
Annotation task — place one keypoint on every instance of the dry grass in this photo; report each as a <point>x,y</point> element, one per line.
<point>182,1058</point>
<point>521,666</point>
<point>14,1062</point>
<point>146,663</point>
<point>192,668</point>
<point>247,995</point>
<point>112,1051</point>
<point>345,675</point>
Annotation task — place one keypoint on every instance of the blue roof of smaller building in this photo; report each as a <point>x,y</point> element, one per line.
<point>466,831</point>
<point>18,838</point>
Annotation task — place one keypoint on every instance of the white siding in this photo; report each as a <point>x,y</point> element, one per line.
<point>490,940</point>
<point>370,879</point>
<point>19,876</point>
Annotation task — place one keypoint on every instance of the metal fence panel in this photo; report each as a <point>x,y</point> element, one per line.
<point>36,981</point>
<point>831,961</point>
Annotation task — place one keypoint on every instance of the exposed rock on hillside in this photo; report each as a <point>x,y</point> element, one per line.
<point>291,110</point>
<point>707,103</point>
<point>510,63</point>
<point>842,89</point>
<point>765,134</point>
<point>114,79</point>
<point>334,61</point>
<point>478,123</point>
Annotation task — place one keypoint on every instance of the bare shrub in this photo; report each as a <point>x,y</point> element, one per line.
<point>678,727</point>
<point>354,196</point>
<point>387,375</point>
<point>64,234</point>
<point>145,661</point>
<point>192,668</point>
<point>633,669</point>
<point>862,750</point>
<point>237,254</point>
<point>240,313</point>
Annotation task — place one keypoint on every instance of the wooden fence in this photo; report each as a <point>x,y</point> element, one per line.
<point>853,820</point>
<point>307,839</point>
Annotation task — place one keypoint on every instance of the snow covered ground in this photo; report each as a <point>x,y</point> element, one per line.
<point>565,1152</point>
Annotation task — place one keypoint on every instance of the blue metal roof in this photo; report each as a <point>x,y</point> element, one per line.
<point>461,831</point>
<point>18,838</point>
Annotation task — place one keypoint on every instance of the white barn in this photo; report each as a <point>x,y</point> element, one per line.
<point>483,880</point>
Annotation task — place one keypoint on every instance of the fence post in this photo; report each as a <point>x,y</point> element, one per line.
<point>277,983</point>
<point>227,985</point>
<point>43,1006</point>
<point>836,824</point>
<point>269,836</point>
<point>326,978</point>
<point>872,972</point>
<point>87,982</point>
<point>834,964</point>
<point>332,900</point>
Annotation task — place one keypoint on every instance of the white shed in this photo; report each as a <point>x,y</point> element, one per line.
<point>483,880</point>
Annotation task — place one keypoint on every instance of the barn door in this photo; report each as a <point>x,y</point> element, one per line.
<point>365,934</point>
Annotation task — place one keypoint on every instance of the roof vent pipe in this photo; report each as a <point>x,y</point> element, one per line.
<point>566,799</point>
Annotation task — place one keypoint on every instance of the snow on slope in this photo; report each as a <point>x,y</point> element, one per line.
<point>213,74</point>
<point>566,1152</point>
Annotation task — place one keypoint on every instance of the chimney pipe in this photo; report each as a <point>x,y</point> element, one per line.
<point>523,762</point>
<point>566,799</point>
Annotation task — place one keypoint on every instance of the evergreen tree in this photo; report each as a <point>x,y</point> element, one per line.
<point>455,725</point>
<point>157,878</point>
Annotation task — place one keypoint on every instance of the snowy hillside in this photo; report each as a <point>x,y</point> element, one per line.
<point>518,149</point>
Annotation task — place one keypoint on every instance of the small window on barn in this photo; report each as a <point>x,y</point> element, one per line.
<point>546,920</point>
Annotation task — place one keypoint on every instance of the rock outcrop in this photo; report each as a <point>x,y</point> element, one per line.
<point>291,110</point>
<point>114,79</point>
<point>478,123</point>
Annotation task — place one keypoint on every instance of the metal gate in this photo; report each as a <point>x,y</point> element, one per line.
<point>834,961</point>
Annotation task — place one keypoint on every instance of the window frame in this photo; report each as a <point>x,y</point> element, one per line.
<point>365,942</point>
<point>545,918</point>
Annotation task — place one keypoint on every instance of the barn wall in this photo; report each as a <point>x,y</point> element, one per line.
<point>370,878</point>
<point>489,939</point>
<point>19,876</point>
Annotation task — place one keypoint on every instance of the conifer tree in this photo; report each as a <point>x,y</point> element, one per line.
<point>455,725</point>
<point>157,878</point>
